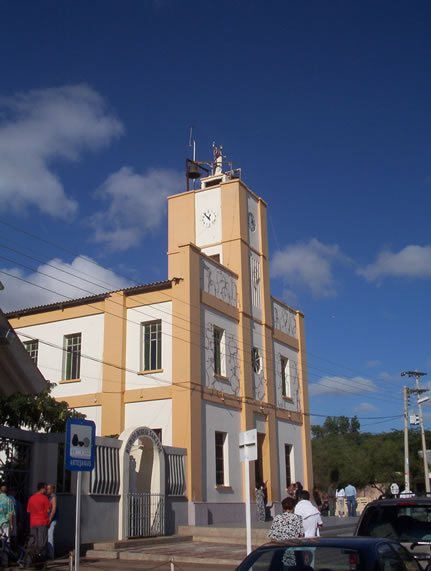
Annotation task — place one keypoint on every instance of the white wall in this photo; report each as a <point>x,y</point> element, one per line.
<point>51,354</point>
<point>154,414</point>
<point>208,200</point>
<point>217,418</point>
<point>258,378</point>
<point>93,413</point>
<point>281,350</point>
<point>135,317</point>
<point>253,237</point>
<point>209,318</point>
<point>289,433</point>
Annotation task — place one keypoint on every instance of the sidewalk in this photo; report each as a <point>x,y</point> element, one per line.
<point>183,554</point>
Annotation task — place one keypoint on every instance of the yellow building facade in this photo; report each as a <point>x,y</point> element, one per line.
<point>198,358</point>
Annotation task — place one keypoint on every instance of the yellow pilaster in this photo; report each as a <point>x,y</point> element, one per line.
<point>305,407</point>
<point>114,363</point>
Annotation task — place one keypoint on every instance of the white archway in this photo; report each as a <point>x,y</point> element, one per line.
<point>142,465</point>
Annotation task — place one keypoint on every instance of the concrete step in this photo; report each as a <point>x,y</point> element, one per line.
<point>223,534</point>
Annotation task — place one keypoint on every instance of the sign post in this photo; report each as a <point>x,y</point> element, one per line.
<point>247,454</point>
<point>80,455</point>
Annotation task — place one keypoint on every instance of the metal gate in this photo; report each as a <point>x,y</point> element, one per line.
<point>146,515</point>
<point>15,460</point>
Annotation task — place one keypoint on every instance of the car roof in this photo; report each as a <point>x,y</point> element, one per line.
<point>400,501</point>
<point>352,542</point>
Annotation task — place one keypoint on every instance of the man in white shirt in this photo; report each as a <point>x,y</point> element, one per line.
<point>340,495</point>
<point>311,518</point>
<point>350,492</point>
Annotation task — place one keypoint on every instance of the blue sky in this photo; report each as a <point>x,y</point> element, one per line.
<point>323,104</point>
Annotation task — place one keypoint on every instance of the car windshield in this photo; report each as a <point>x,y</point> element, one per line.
<point>303,558</point>
<point>402,522</point>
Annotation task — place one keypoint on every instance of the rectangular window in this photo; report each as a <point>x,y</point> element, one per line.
<point>32,349</point>
<point>152,346</point>
<point>287,454</point>
<point>221,458</point>
<point>219,352</point>
<point>285,377</point>
<point>72,356</point>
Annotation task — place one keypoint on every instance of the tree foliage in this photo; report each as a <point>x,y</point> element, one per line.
<point>36,412</point>
<point>343,454</point>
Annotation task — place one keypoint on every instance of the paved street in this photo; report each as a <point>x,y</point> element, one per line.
<point>189,555</point>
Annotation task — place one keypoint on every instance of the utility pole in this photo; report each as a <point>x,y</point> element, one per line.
<point>406,441</point>
<point>418,391</point>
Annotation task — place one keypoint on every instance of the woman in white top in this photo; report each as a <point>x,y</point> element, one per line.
<point>340,496</point>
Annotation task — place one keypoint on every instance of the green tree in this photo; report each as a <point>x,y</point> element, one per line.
<point>36,412</point>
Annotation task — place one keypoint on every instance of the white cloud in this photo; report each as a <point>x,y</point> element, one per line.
<point>40,127</point>
<point>56,281</point>
<point>373,364</point>
<point>389,377</point>
<point>366,407</point>
<point>341,386</point>
<point>410,262</point>
<point>309,266</point>
<point>136,205</point>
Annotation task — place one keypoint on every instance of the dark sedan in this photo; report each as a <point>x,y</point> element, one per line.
<point>325,554</point>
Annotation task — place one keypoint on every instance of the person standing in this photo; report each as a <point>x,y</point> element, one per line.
<point>311,518</point>
<point>7,514</point>
<point>317,499</point>
<point>53,515</point>
<point>287,525</point>
<point>350,492</point>
<point>340,496</point>
<point>331,499</point>
<point>260,502</point>
<point>39,507</point>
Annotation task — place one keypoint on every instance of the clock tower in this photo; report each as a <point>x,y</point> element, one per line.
<point>218,232</point>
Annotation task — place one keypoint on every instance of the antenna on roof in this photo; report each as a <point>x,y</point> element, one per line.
<point>192,143</point>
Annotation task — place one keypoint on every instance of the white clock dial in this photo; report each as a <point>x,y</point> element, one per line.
<point>208,218</point>
<point>251,221</point>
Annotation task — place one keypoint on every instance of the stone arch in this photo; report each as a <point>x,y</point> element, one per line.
<point>142,466</point>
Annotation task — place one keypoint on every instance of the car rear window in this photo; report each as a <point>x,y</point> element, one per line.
<point>304,558</point>
<point>403,522</point>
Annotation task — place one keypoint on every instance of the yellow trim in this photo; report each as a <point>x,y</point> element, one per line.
<point>285,339</point>
<point>65,381</point>
<point>152,372</point>
<point>93,399</point>
<point>219,305</point>
<point>151,393</point>
<point>43,317</point>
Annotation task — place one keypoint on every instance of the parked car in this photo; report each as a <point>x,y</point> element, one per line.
<point>325,554</point>
<point>405,520</point>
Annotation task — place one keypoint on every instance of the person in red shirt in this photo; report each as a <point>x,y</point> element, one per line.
<point>39,507</point>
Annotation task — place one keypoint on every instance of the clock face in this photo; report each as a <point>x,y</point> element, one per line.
<point>208,218</point>
<point>251,221</point>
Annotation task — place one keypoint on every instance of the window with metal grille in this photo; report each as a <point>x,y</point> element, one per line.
<point>220,443</point>
<point>285,377</point>
<point>287,455</point>
<point>72,356</point>
<point>256,360</point>
<point>32,349</point>
<point>219,351</point>
<point>151,346</point>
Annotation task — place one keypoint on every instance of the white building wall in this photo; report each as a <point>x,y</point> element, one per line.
<point>93,413</point>
<point>51,354</point>
<point>258,377</point>
<point>288,433</point>
<point>217,418</point>
<point>280,350</point>
<point>209,319</point>
<point>253,237</point>
<point>208,201</point>
<point>135,317</point>
<point>154,414</point>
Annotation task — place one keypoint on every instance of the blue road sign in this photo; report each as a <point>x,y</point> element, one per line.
<point>80,444</point>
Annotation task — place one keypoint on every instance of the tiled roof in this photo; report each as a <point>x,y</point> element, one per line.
<point>134,290</point>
